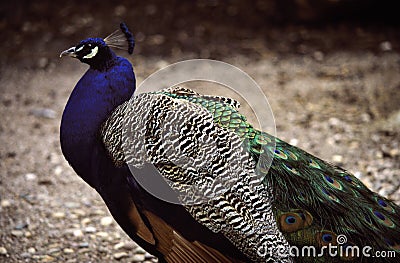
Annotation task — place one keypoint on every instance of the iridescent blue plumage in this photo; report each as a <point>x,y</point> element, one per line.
<point>93,99</point>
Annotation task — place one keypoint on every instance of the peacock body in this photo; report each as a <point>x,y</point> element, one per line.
<point>244,195</point>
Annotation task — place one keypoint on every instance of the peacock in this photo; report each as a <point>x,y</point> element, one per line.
<point>242,194</point>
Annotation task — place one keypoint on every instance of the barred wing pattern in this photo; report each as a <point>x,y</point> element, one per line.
<point>206,164</point>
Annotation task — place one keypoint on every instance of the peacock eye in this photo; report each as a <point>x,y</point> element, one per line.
<point>92,51</point>
<point>89,45</point>
<point>327,238</point>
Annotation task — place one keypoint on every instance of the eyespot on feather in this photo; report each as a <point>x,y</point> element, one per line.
<point>314,164</point>
<point>293,221</point>
<point>392,244</point>
<point>333,183</point>
<point>325,237</point>
<point>280,154</point>
<point>290,168</point>
<point>384,204</point>
<point>351,179</point>
<point>382,219</point>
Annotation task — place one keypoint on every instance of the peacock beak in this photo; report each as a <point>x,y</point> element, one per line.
<point>69,52</point>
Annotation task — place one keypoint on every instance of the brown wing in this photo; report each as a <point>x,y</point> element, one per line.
<point>176,248</point>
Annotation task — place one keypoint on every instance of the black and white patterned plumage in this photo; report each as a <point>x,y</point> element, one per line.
<point>207,165</point>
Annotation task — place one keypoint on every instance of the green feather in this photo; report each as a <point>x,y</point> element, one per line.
<point>327,200</point>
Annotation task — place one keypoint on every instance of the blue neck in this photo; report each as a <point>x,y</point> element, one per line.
<point>93,99</point>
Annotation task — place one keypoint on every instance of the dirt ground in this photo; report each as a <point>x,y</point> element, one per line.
<point>334,90</point>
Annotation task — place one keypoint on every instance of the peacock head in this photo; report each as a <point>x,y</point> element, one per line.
<point>97,51</point>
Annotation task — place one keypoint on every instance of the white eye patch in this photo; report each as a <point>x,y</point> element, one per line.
<point>93,53</point>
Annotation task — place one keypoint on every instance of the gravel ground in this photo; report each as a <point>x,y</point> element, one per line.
<point>334,91</point>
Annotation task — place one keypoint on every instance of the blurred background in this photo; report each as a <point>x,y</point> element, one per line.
<point>204,27</point>
<point>330,69</point>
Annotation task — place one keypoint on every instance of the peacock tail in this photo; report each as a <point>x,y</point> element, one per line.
<point>309,201</point>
